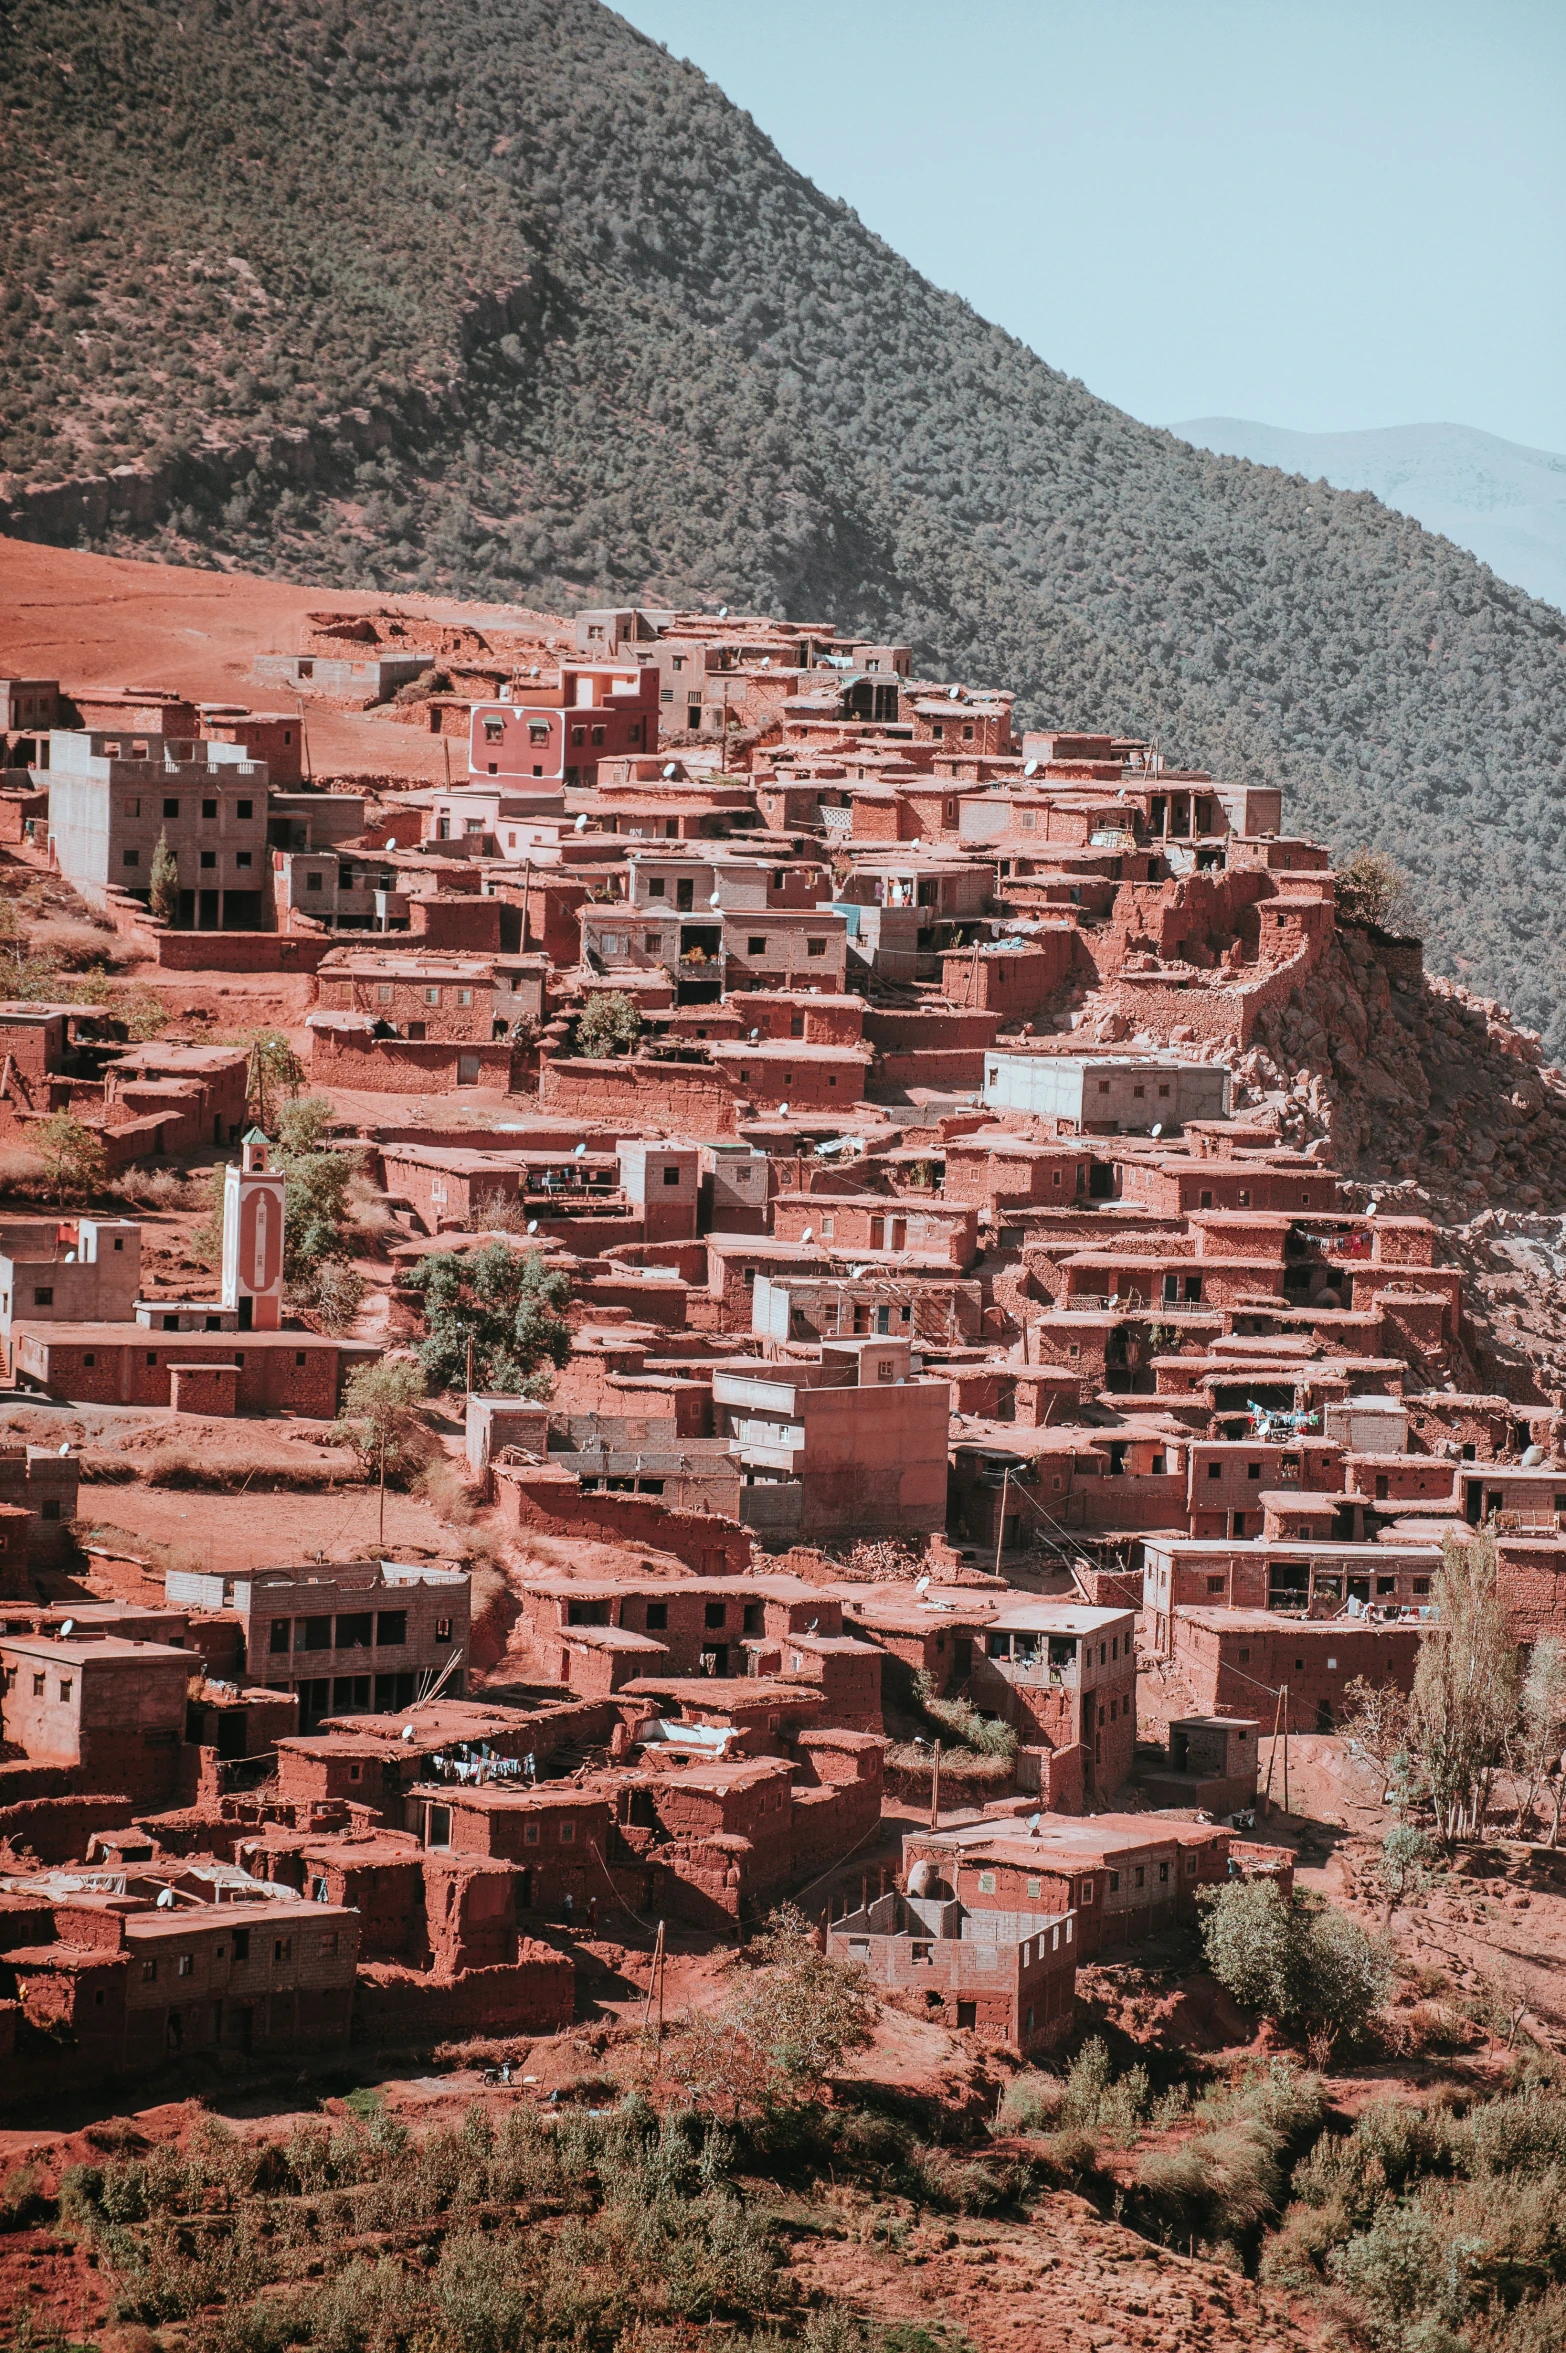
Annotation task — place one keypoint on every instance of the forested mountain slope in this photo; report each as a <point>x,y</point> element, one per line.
<point>609,344</point>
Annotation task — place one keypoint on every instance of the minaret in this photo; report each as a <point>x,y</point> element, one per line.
<point>253,1238</point>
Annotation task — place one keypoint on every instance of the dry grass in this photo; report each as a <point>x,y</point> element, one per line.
<point>157,1189</point>
<point>21,1171</point>
<point>442,1486</point>
<point>176,1466</point>
<point>72,943</point>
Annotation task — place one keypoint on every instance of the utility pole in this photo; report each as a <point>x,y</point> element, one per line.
<point>1000,1534</point>
<point>935,1789</point>
<point>652,1984</point>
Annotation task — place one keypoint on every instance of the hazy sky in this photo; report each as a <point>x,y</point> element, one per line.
<point>1321,213</point>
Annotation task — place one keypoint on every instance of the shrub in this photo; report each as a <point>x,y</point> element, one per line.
<point>609,1023</point>
<point>1032,2102</point>
<point>1097,2100</point>
<point>1292,1960</point>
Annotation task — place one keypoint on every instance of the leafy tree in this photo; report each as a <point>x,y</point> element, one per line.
<point>1292,1960</point>
<point>1404,1865</point>
<point>1539,1734</point>
<point>382,1418</point>
<point>163,894</point>
<point>336,1293</point>
<point>1464,1701</point>
<point>303,1125</point>
<point>275,1072</point>
<point>1377,1724</point>
<point>775,2041</point>
<point>315,1211</point>
<point>75,1162</point>
<point>1373,888</point>
<point>502,1300</point>
<point>608,1023</point>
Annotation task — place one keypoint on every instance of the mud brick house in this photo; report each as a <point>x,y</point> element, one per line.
<point>1106,1094</point>
<point>854,1443</point>
<point>703,1626</point>
<point>71,1270</point>
<point>346,1639</point>
<point>1238,1661</point>
<point>1127,1876</point>
<point>106,1711</point>
<point>1008,1976</point>
<point>119,1364</point>
<point>121,1985</point>
<point>445,998</point>
<point>113,796</point>
<point>559,730</point>
<point>860,1224</point>
<point>1065,1677</point>
<point>42,1483</point>
<point>1185,1572</point>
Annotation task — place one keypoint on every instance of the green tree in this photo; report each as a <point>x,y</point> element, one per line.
<point>502,1300</point>
<point>1464,1702</point>
<point>790,2025</point>
<point>303,1124</point>
<point>163,891</point>
<point>382,1418</point>
<point>315,1211</point>
<point>608,1023</point>
<point>275,1072</point>
<point>1373,888</point>
<point>1539,1734</point>
<point>1300,1962</point>
<point>1403,1867</point>
<point>75,1162</point>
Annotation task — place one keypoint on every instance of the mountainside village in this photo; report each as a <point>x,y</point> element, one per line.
<point>991,1426</point>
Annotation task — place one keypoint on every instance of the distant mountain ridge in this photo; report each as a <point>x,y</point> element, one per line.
<point>1505,503</point>
<point>498,299</point>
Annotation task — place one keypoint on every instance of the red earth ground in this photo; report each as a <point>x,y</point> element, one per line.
<point>93,620</point>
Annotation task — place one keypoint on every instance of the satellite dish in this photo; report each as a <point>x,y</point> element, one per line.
<point>671,771</point>
<point>581,823</point>
<point>755,1033</point>
<point>165,1899</point>
<point>578,1151</point>
<point>407,1732</point>
<point>1033,1824</point>
<point>723,612</point>
<point>809,1234</point>
<point>1371,1207</point>
<point>922,1584</point>
<point>1030,768</point>
<point>954,694</point>
<point>716,900</point>
<point>65,1449</point>
<point>69,1627</point>
<point>532,1225</point>
<point>1158,1127</point>
<point>782,1111</point>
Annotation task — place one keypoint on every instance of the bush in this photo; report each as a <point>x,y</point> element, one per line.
<point>1289,1959</point>
<point>1032,2102</point>
<point>609,1023</point>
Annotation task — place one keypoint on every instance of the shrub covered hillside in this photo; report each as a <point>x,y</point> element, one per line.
<point>608,344</point>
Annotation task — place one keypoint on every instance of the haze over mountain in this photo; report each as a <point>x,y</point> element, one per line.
<point>1504,503</point>
<point>500,298</point>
